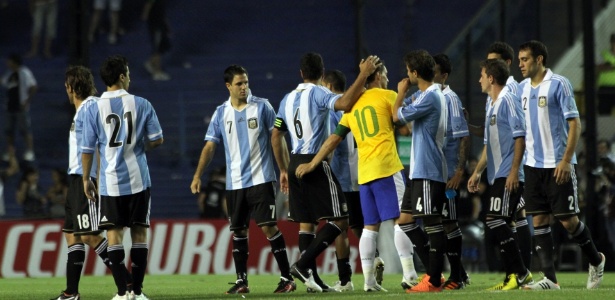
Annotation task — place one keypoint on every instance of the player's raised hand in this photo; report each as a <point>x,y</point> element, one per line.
<point>403,86</point>
<point>368,65</point>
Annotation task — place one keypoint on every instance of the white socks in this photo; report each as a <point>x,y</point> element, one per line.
<point>406,253</point>
<point>367,250</point>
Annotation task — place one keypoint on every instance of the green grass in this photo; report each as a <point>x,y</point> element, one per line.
<point>261,286</point>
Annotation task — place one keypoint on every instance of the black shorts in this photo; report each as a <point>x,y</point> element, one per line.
<point>449,211</point>
<point>503,204</point>
<point>355,215</point>
<point>81,214</point>
<point>125,211</point>
<point>258,200</point>
<point>424,197</point>
<point>317,196</point>
<point>543,196</point>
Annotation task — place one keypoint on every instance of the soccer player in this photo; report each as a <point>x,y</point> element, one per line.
<point>381,181</point>
<point>423,197</point>
<point>81,221</point>
<point>456,149</point>
<point>243,124</point>
<point>553,131</point>
<point>502,156</point>
<point>120,126</point>
<point>521,228</point>
<point>304,113</point>
<point>344,167</point>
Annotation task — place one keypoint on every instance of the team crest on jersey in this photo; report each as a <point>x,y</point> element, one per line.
<point>542,101</point>
<point>492,120</point>
<point>72,126</point>
<point>344,207</point>
<point>252,123</point>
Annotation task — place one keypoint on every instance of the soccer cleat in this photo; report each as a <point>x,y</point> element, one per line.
<point>424,287</point>
<point>526,280</point>
<point>544,284</point>
<point>374,288</point>
<point>285,286</point>
<point>465,278</point>
<point>509,283</point>
<point>118,297</point>
<point>348,287</point>
<point>378,269</point>
<point>64,296</point>
<point>595,274</point>
<point>453,285</point>
<point>239,287</point>
<point>405,284</point>
<point>139,297</point>
<point>325,289</point>
<point>412,283</point>
<point>306,277</point>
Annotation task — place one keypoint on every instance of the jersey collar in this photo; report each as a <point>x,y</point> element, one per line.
<point>114,94</point>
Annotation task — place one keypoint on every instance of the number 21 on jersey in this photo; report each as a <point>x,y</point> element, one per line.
<point>115,121</point>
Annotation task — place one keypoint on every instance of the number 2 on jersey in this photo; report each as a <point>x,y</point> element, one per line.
<point>116,121</point>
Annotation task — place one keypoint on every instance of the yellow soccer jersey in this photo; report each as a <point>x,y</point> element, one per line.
<point>372,126</point>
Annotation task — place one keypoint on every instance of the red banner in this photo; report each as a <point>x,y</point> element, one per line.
<point>38,249</point>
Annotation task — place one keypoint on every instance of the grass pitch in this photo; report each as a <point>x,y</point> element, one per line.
<point>170,287</point>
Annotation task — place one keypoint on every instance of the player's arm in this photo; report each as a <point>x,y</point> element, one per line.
<point>155,143</point>
<point>512,181</point>
<point>350,97</point>
<point>564,167</point>
<point>402,89</point>
<point>206,156</point>
<point>88,186</point>
<point>327,148</point>
<point>477,130</point>
<point>462,156</point>
<point>405,130</point>
<point>474,180</point>
<point>279,148</point>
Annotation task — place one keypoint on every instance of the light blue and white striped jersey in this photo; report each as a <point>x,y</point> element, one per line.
<point>428,112</point>
<point>305,112</point>
<point>547,108</point>
<point>246,135</point>
<point>75,139</point>
<point>456,128</point>
<point>345,160</point>
<point>119,124</point>
<point>504,122</point>
<point>511,85</point>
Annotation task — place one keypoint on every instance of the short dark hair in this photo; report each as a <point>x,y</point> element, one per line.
<point>497,68</point>
<point>536,48</point>
<point>444,62</point>
<point>505,51</point>
<point>16,58</point>
<point>233,70</point>
<point>372,76</point>
<point>112,68</point>
<point>337,79</point>
<point>312,66</point>
<point>80,80</point>
<point>421,62</point>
